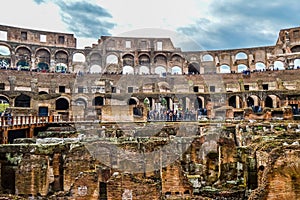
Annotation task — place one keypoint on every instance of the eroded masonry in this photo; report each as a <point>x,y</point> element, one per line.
<point>137,118</point>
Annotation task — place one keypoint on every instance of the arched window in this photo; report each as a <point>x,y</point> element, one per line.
<point>260,66</point>
<point>5,57</point>
<point>242,68</point>
<point>144,70</point>
<point>207,57</point>
<point>176,70</point>
<point>161,71</point>
<point>241,56</point>
<point>278,65</point>
<point>128,70</point>
<point>297,63</point>
<point>80,102</point>
<point>95,69</point>
<point>225,69</point>
<point>78,57</point>
<point>111,59</point>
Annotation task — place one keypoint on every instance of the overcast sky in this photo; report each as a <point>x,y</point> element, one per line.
<point>193,24</point>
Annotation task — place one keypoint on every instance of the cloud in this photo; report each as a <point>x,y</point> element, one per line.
<point>239,24</point>
<point>40,1</point>
<point>83,18</point>
<point>86,19</point>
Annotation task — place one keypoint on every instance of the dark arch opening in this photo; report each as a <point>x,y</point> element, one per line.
<point>62,104</point>
<point>43,92</point>
<point>296,49</point>
<point>132,102</point>
<point>98,101</point>
<point>250,102</point>
<point>198,103</point>
<point>232,101</point>
<point>4,100</point>
<point>269,102</point>
<point>22,101</point>
<point>261,168</point>
<point>194,68</point>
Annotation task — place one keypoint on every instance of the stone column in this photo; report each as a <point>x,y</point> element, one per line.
<point>32,62</point>
<point>12,80</point>
<point>52,87</point>
<point>33,84</point>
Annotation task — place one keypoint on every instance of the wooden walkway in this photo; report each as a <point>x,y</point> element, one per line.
<point>25,123</point>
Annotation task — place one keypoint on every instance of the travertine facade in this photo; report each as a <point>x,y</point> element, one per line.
<point>125,71</point>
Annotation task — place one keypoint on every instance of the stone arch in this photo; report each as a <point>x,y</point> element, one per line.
<point>242,68</point>
<point>81,102</point>
<point>144,60</point>
<point>176,59</point>
<point>235,101</point>
<point>194,68</point>
<point>78,57</point>
<point>23,58</point>
<point>278,65</point>
<point>4,99</point>
<point>128,60</point>
<point>241,56</point>
<point>272,101</point>
<point>5,53</point>
<point>62,103</point>
<point>95,58</point>
<point>98,101</point>
<point>295,49</point>
<point>5,50</point>
<point>22,100</point>
<point>225,69</point>
<point>253,100</point>
<point>176,70</point>
<point>61,56</point>
<point>260,66</point>
<point>43,56</point>
<point>207,58</point>
<point>163,86</point>
<point>160,59</point>
<point>160,70</point>
<point>133,101</point>
<point>112,59</point>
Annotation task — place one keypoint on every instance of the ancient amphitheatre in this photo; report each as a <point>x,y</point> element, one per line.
<point>138,118</point>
